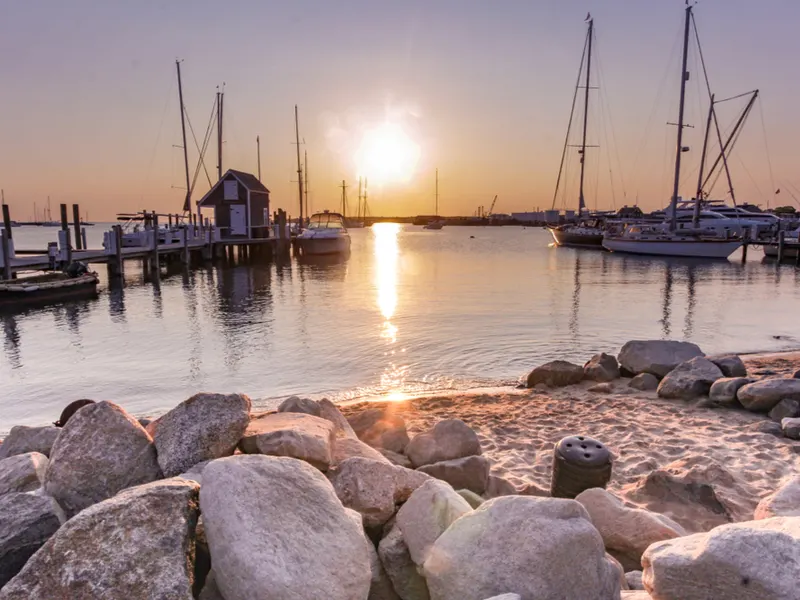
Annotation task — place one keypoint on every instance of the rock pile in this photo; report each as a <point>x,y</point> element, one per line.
<point>215,502</point>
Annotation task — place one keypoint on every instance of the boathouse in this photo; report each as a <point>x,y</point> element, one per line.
<point>241,206</point>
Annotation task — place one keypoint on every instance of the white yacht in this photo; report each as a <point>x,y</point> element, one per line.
<point>657,240</point>
<point>326,234</point>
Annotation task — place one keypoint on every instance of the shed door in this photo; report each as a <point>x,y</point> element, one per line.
<point>238,219</point>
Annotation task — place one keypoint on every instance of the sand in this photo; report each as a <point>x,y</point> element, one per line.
<point>519,428</point>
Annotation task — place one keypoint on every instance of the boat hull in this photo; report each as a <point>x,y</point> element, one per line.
<point>571,239</point>
<point>788,251</point>
<point>319,246</point>
<point>686,248</point>
<point>14,294</point>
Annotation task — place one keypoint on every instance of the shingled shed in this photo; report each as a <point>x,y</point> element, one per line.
<point>241,206</point>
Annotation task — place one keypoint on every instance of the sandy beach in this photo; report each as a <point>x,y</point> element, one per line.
<point>518,429</point>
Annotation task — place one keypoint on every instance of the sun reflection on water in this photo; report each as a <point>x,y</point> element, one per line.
<point>386,258</point>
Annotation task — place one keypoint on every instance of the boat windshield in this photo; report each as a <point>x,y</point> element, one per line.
<point>326,221</point>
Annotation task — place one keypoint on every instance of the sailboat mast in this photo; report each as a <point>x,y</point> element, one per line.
<point>699,194</point>
<point>590,34</point>
<point>365,198</point>
<point>299,166</point>
<point>305,179</point>
<point>219,134</point>
<point>437,192</point>
<point>187,199</point>
<point>344,199</point>
<point>679,149</point>
<point>358,208</point>
<point>258,155</point>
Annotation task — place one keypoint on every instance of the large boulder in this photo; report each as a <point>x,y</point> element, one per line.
<point>22,439</point>
<point>689,379</point>
<point>657,357</point>
<point>763,395</point>
<point>276,530</point>
<point>101,451</point>
<point>204,427</point>
<point>380,587</point>
<point>644,382</point>
<point>300,405</point>
<point>730,365</point>
<point>557,373</point>
<point>381,428</point>
<point>399,567</point>
<point>26,522</point>
<point>634,580</point>
<point>328,410</point>
<point>791,428</point>
<point>724,390</point>
<point>138,544</point>
<point>430,510</point>
<point>499,486</point>
<point>755,560</point>
<point>347,447</point>
<point>601,367</point>
<point>626,532</point>
<point>296,435</point>
<point>22,472</point>
<point>470,472</point>
<point>449,439</point>
<point>539,548</point>
<point>784,502</point>
<point>785,409</point>
<point>395,458</point>
<point>374,488</point>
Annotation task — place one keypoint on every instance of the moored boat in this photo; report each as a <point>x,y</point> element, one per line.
<point>46,289</point>
<point>326,234</point>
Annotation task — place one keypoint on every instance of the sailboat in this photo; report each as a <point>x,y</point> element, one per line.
<point>49,222</point>
<point>437,223</point>
<point>588,232</point>
<point>667,239</point>
<point>358,222</point>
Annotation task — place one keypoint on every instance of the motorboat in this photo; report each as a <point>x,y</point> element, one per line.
<point>434,225</point>
<point>326,234</point>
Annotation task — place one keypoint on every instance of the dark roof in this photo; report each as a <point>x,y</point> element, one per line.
<point>248,180</point>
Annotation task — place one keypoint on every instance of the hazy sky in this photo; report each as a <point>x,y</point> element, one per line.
<point>90,111</point>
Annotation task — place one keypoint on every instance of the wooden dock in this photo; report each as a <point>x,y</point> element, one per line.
<point>182,244</point>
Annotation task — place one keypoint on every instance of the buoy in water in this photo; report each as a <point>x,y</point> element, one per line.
<point>579,463</point>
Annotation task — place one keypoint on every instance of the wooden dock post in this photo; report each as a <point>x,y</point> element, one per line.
<point>744,252</point>
<point>781,243</point>
<point>7,221</point>
<point>64,219</point>
<point>76,223</point>
<point>154,257</point>
<point>6,253</point>
<point>185,253</point>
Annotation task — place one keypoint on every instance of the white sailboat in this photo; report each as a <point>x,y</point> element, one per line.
<point>667,239</point>
<point>437,223</point>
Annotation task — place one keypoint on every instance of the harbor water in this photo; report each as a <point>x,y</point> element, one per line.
<point>409,311</point>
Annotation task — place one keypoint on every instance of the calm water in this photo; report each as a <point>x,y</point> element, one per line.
<point>409,311</point>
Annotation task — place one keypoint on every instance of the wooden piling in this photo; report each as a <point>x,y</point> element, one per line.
<point>64,219</point>
<point>6,251</point>
<point>744,252</point>
<point>7,221</point>
<point>185,253</point>
<point>781,244</point>
<point>154,255</point>
<point>118,249</point>
<point>76,223</point>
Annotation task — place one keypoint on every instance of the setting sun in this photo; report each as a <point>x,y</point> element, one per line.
<point>387,154</point>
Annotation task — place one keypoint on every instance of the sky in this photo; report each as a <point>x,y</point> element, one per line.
<point>480,90</point>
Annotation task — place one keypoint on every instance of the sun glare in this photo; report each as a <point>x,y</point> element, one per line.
<point>387,155</point>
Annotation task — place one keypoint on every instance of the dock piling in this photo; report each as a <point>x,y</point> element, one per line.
<point>6,253</point>
<point>76,223</point>
<point>7,221</point>
<point>781,243</point>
